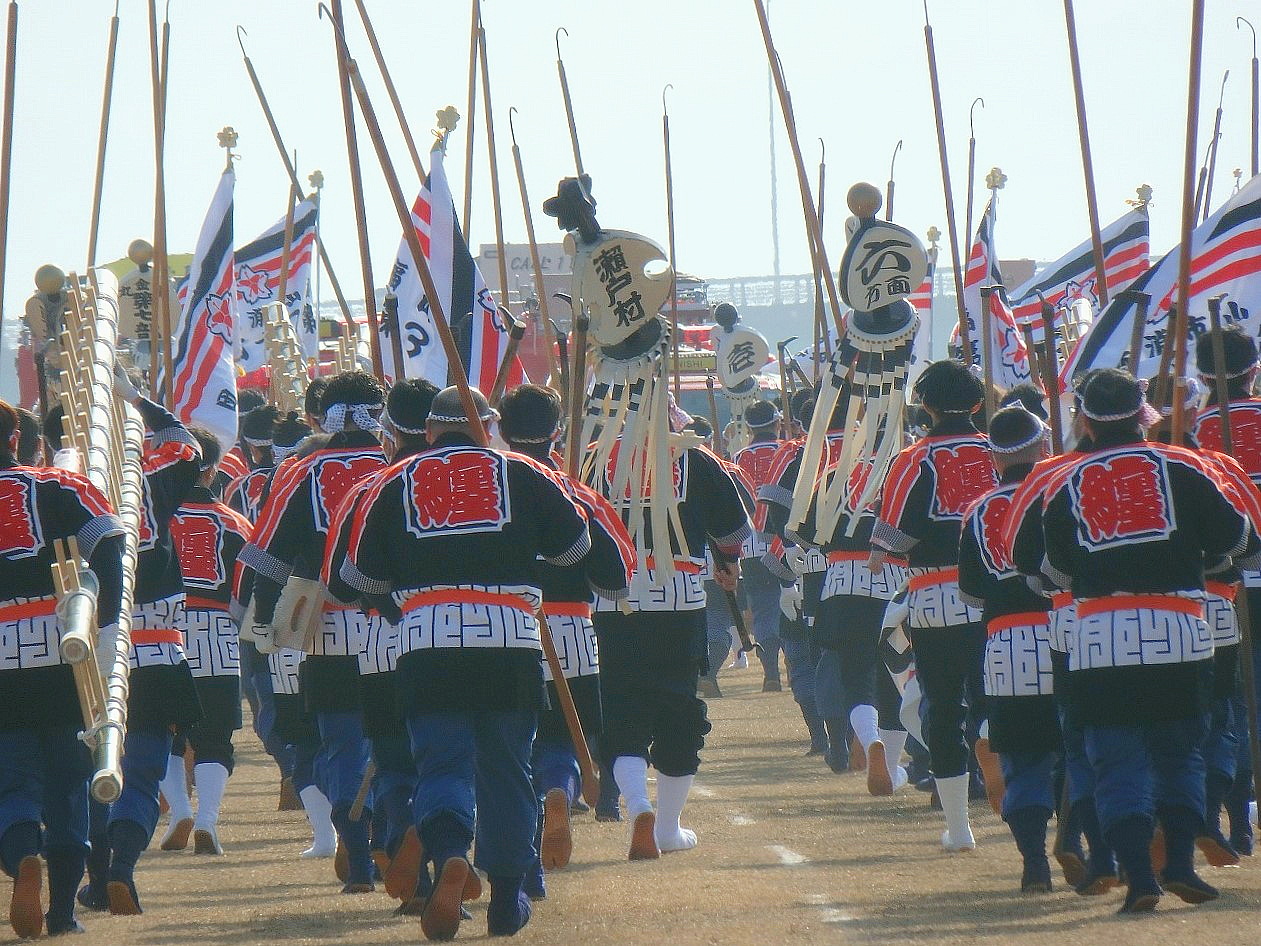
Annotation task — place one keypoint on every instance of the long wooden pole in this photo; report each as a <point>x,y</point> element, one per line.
<point>569,104</point>
<point>361,213</point>
<point>1051,373</point>
<point>1141,302</point>
<point>293,177</point>
<point>401,207</point>
<point>474,44</point>
<point>516,332</point>
<point>971,178</point>
<point>494,168</point>
<point>1212,151</point>
<point>674,267</point>
<point>160,335</point>
<point>1256,96</point>
<point>1087,164</point>
<point>106,102</point>
<point>813,227</point>
<point>577,394</point>
<point>952,228</point>
<point>987,350</point>
<point>582,751</point>
<point>6,144</point>
<point>1188,220</point>
<point>167,316</point>
<point>286,250</point>
<point>547,328</point>
<point>391,91</point>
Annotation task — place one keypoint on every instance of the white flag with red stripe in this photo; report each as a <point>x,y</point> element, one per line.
<point>258,283</point>
<point>1126,245</point>
<point>480,335</point>
<point>1225,258</point>
<point>1008,355</point>
<point>203,388</point>
<point>922,350</point>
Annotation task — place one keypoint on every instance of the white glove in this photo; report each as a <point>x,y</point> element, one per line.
<point>795,558</point>
<point>123,386</point>
<point>264,636</point>
<point>790,601</point>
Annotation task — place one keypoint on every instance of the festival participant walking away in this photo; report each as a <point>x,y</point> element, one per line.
<point>161,692</point>
<point>929,487</point>
<point>1023,725</point>
<point>44,767</point>
<point>760,585</point>
<point>288,544</point>
<point>208,538</point>
<point>447,544</point>
<point>1129,528</point>
<point>530,424</point>
<point>1245,422</point>
<point>245,493</point>
<point>720,633</point>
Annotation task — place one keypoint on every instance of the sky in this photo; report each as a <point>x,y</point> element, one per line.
<point>856,70</point>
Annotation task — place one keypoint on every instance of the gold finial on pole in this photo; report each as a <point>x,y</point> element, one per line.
<point>1144,196</point>
<point>996,179</point>
<point>227,140</point>
<point>316,179</point>
<point>447,118</point>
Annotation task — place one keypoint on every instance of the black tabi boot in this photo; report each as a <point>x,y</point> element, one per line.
<point>65,870</point>
<point>818,735</point>
<point>1101,866</point>
<point>837,753</point>
<point>127,841</point>
<point>93,895</point>
<point>354,838</point>
<point>1028,827</point>
<point>1131,838</point>
<point>1237,812</point>
<point>1182,826</point>
<point>1216,849</point>
<point>509,908</point>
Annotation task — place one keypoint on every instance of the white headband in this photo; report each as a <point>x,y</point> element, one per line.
<point>361,417</point>
<point>388,418</point>
<point>1041,433</point>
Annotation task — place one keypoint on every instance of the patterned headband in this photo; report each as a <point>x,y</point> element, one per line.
<point>360,417</point>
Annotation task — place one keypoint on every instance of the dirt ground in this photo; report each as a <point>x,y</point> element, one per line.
<point>789,853</point>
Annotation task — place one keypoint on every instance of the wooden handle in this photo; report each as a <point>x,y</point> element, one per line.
<point>590,776</point>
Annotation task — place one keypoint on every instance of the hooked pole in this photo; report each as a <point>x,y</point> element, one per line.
<point>674,270</point>
<point>1212,149</point>
<point>967,214</point>
<point>106,101</point>
<point>1256,91</point>
<point>474,43</point>
<point>888,190</point>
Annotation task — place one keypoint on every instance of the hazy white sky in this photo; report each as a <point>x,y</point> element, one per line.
<point>856,70</point>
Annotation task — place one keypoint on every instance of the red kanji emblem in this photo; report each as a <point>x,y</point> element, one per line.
<point>991,516</point>
<point>20,537</point>
<point>199,543</point>
<point>1245,436</point>
<point>963,473</point>
<point>756,461</point>
<point>462,491</point>
<point>334,479</point>
<point>1122,500</point>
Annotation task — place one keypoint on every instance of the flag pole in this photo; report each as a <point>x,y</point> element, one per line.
<point>6,145</point>
<point>391,90</point>
<point>1188,222</point>
<point>316,180</point>
<point>814,229</point>
<point>971,178</point>
<point>820,313</point>
<point>293,177</point>
<point>1256,91</point>
<point>474,44</point>
<point>1141,302</point>
<point>987,350</point>
<point>1087,165</point>
<point>455,365</point>
<point>674,269</point>
<point>489,118</point>
<point>952,228</point>
<point>569,103</point>
<point>888,190</point>
<point>1212,149</point>
<point>286,250</point>
<point>540,289</point>
<point>361,213</point>
<point>160,338</point>
<point>106,100</point>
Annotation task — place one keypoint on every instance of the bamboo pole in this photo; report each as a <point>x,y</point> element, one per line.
<point>391,91</point>
<point>1212,150</point>
<point>496,202</point>
<point>820,313</point>
<point>540,288</point>
<point>1256,95</point>
<point>971,178</point>
<point>106,101</point>
<point>1087,164</point>
<point>674,268</point>
<point>952,228</point>
<point>361,213</point>
<point>159,334</point>
<point>6,144</point>
<point>293,177</point>
<point>474,43</point>
<point>1141,301</point>
<point>1188,220</point>
<point>569,103</point>
<point>813,227</point>
<point>455,365</point>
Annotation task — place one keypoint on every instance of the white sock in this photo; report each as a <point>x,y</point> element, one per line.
<point>864,719</point>
<point>211,779</point>
<point>671,797</point>
<point>953,792</point>
<point>631,774</point>
<point>894,742</point>
<point>983,731</point>
<point>319,813</point>
<point>174,787</point>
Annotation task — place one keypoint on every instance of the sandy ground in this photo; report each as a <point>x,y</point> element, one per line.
<point>789,853</point>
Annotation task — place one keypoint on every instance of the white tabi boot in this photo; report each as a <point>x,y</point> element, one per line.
<point>631,774</point>
<point>953,792</point>
<point>671,797</point>
<point>320,814</point>
<point>894,742</point>
<point>211,779</point>
<point>174,787</point>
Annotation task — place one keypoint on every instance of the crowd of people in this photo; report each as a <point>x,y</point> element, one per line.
<point>1055,632</point>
